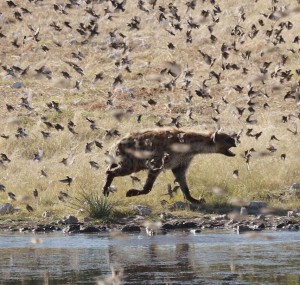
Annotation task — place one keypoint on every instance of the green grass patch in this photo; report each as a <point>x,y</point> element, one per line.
<point>95,205</point>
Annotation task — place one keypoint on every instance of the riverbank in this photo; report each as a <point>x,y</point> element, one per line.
<point>165,223</point>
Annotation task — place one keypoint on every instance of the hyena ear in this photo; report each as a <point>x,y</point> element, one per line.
<point>214,135</point>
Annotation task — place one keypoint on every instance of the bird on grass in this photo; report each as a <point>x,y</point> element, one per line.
<point>2,188</point>
<point>35,193</point>
<point>11,196</point>
<point>29,208</point>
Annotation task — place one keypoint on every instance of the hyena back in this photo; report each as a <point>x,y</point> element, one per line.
<point>159,149</point>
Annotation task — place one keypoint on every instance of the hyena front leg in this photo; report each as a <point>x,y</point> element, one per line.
<point>180,175</point>
<point>112,172</point>
<point>152,175</point>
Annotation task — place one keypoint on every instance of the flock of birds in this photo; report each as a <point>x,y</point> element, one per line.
<point>146,64</point>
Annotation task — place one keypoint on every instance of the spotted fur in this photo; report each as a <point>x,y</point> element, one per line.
<point>159,149</point>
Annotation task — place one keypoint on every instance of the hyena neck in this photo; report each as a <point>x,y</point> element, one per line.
<point>199,143</point>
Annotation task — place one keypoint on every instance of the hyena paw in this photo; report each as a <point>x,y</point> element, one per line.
<point>105,192</point>
<point>133,192</point>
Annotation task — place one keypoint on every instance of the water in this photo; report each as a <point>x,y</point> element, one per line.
<point>176,258</point>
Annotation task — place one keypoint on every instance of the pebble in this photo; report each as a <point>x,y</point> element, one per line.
<point>17,85</point>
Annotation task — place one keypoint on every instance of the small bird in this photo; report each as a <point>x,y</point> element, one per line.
<point>48,124</point>
<point>38,155</point>
<point>98,144</point>
<point>4,157</point>
<point>135,179</point>
<point>249,120</point>
<point>273,137</point>
<point>235,173</point>
<point>4,136</point>
<point>88,146</point>
<point>294,131</point>
<point>93,125</point>
<point>98,76</point>
<point>62,196</point>
<point>66,75</point>
<point>257,135</point>
<point>164,203</point>
<point>11,4</point>
<point>10,108</point>
<point>67,180</point>
<point>68,160</point>
<point>94,164</point>
<point>12,196</point>
<point>46,134</point>
<point>71,127</point>
<point>171,190</point>
<point>35,193</point>
<point>59,127</point>
<point>207,58</point>
<point>43,173</point>
<point>29,208</point>
<point>2,188</point>
<point>271,148</point>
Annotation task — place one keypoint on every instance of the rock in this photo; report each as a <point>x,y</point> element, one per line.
<point>72,229</point>
<point>89,229</point>
<point>294,228</point>
<point>179,205</point>
<point>70,220</point>
<point>291,214</point>
<point>219,218</point>
<point>168,226</point>
<point>255,207</point>
<point>17,85</point>
<point>260,226</point>
<point>296,186</point>
<point>243,228</point>
<point>25,229</point>
<point>295,189</point>
<point>186,225</point>
<point>87,219</point>
<point>143,210</point>
<point>131,228</point>
<point>280,225</point>
<point>257,204</point>
<point>47,214</point>
<point>164,216</point>
<point>6,208</point>
<point>195,231</point>
<point>46,228</point>
<point>139,218</point>
<point>207,226</point>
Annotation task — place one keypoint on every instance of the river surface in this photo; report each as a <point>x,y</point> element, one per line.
<point>210,257</point>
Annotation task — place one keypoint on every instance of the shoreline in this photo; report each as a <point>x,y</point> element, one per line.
<point>239,224</point>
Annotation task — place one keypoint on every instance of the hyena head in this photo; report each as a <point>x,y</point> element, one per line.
<point>223,143</point>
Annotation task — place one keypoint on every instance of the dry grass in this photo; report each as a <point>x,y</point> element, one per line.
<point>149,54</point>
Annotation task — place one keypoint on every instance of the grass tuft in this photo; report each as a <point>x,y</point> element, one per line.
<point>95,205</point>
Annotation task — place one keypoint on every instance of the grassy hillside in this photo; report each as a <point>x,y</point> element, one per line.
<point>142,64</point>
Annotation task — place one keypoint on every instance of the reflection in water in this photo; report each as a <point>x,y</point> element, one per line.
<point>177,258</point>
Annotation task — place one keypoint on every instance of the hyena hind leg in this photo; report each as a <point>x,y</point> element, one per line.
<point>152,175</point>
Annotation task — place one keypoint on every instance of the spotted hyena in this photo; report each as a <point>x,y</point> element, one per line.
<point>159,149</point>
